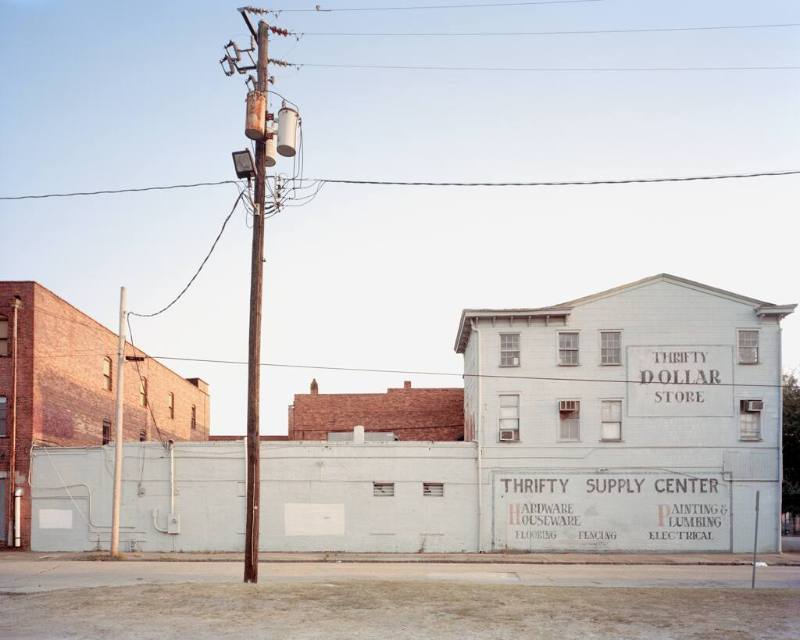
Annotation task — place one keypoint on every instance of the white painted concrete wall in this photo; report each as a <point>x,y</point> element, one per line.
<point>660,313</point>
<point>314,497</point>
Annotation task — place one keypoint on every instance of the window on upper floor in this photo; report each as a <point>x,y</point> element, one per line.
<point>194,417</point>
<point>611,420</point>
<point>509,349</point>
<point>748,346</point>
<point>750,419</point>
<point>4,344</point>
<point>569,420</point>
<point>3,416</point>
<point>143,391</point>
<point>107,380</point>
<point>568,348</point>
<point>171,405</point>
<point>509,418</point>
<point>610,347</point>
<point>143,434</point>
<point>106,431</point>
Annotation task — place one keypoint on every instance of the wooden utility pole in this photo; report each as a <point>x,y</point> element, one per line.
<point>118,439</point>
<point>254,349</point>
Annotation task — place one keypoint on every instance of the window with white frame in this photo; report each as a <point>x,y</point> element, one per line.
<point>610,347</point>
<point>509,417</point>
<point>569,418</point>
<point>748,346</point>
<point>568,348</point>
<point>611,420</point>
<point>750,419</point>
<point>509,349</point>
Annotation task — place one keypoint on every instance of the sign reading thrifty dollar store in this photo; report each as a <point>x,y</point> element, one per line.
<point>680,381</point>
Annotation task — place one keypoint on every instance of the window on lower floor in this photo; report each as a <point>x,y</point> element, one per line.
<point>194,417</point>
<point>143,435</point>
<point>750,419</point>
<point>433,489</point>
<point>569,418</point>
<point>106,431</point>
<point>383,489</point>
<point>509,417</point>
<point>611,420</point>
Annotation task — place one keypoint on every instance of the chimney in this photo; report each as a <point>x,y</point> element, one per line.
<point>314,387</point>
<point>407,384</point>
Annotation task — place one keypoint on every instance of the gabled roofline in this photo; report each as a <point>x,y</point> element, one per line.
<point>760,307</point>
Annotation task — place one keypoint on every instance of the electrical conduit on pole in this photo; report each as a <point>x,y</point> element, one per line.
<point>118,441</point>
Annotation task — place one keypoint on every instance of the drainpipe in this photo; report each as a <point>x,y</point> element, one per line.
<point>478,434</point>
<point>171,478</point>
<point>12,501</point>
<point>17,518</point>
<point>780,436</point>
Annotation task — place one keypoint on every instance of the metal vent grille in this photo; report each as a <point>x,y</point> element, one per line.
<point>383,489</point>
<point>433,489</point>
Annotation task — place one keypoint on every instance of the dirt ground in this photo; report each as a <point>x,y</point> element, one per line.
<point>356,610</point>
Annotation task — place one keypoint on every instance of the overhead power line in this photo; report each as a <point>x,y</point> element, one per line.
<point>570,183</point>
<point>102,192</point>
<point>472,5</point>
<point>398,67</point>
<point>445,34</point>
<point>283,365</point>
<point>199,269</point>
<point>401,183</point>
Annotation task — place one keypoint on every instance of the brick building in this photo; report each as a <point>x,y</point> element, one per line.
<point>66,375</point>
<point>408,413</point>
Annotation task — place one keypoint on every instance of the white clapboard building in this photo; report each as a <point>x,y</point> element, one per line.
<point>642,418</point>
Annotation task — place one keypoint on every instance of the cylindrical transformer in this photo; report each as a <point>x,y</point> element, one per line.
<point>271,158</point>
<point>287,131</point>
<point>256,115</point>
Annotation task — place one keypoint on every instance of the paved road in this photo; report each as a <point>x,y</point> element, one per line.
<point>45,575</point>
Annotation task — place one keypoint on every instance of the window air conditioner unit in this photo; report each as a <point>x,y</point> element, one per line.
<point>754,406</point>
<point>509,435</point>
<point>568,405</point>
<point>515,361</point>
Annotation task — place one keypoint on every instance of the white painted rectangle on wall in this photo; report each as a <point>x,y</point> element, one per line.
<point>302,519</point>
<point>680,381</point>
<point>613,511</point>
<point>55,518</point>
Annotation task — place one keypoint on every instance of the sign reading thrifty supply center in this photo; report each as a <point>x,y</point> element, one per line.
<point>622,510</point>
<point>680,381</point>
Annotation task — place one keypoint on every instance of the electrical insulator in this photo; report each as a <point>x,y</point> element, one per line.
<point>271,157</point>
<point>287,131</point>
<point>256,115</point>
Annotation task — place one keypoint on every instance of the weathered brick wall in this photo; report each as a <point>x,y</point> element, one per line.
<point>61,396</point>
<point>412,414</point>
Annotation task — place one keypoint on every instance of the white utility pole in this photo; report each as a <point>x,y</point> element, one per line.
<point>118,443</point>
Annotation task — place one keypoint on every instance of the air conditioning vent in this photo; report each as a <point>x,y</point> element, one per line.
<point>568,405</point>
<point>515,361</point>
<point>383,489</point>
<point>433,489</point>
<point>754,406</point>
<point>509,435</point>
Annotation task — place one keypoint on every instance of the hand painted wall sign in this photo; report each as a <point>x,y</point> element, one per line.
<point>680,381</point>
<point>619,511</point>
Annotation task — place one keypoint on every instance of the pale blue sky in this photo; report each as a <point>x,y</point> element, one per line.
<point>108,94</point>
